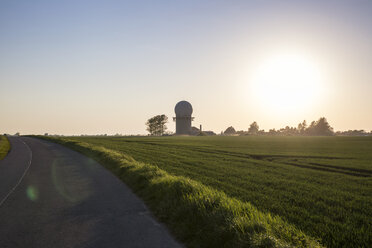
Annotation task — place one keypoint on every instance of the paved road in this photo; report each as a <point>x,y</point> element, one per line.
<point>51,196</point>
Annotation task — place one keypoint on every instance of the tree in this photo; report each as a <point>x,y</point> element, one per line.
<point>253,128</point>
<point>156,125</point>
<point>288,131</point>
<point>320,127</point>
<point>272,131</point>
<point>323,127</point>
<point>301,128</point>
<point>229,131</point>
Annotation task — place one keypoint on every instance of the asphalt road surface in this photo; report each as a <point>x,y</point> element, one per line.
<point>51,196</point>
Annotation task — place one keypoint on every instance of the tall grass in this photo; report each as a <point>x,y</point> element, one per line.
<point>4,146</point>
<point>197,215</point>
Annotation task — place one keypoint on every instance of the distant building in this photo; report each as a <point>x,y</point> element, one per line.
<point>230,131</point>
<point>195,131</point>
<point>183,118</point>
<point>209,133</point>
<point>198,132</point>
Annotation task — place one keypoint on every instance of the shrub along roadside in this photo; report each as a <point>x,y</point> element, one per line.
<point>4,146</point>
<point>196,214</point>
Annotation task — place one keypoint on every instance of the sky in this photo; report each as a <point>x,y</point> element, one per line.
<point>96,67</point>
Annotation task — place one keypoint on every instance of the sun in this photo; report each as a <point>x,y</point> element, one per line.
<point>287,83</point>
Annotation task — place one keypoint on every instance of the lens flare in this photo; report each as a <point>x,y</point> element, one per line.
<point>32,193</point>
<point>70,181</point>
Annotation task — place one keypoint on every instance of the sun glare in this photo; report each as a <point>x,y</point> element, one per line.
<point>287,83</point>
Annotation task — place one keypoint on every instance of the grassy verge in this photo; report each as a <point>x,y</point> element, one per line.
<point>197,215</point>
<point>4,146</point>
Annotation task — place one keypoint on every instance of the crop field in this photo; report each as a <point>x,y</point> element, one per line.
<point>321,185</point>
<point>4,146</point>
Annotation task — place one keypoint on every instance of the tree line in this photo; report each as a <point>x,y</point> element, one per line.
<point>320,127</point>
<point>157,126</point>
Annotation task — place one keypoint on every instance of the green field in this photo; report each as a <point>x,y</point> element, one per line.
<point>4,146</point>
<point>321,185</point>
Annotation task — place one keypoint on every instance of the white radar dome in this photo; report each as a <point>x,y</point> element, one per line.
<point>183,108</point>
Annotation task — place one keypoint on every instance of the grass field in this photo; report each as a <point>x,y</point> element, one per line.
<point>4,146</point>
<point>321,185</point>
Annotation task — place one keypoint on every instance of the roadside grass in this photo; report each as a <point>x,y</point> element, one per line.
<point>4,146</point>
<point>197,215</point>
<point>321,185</point>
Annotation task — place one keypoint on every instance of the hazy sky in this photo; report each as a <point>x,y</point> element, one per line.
<point>73,67</point>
